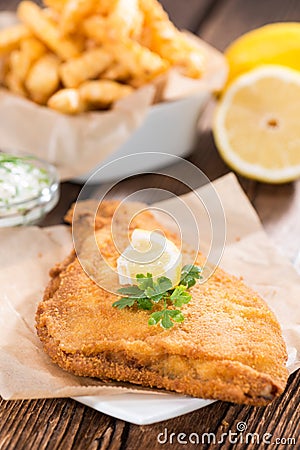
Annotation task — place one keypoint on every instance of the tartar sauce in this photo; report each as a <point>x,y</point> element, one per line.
<point>24,184</point>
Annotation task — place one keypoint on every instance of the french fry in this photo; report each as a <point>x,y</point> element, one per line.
<point>142,64</point>
<point>17,65</point>
<point>67,101</point>
<point>43,79</point>
<point>12,79</point>
<point>102,7</point>
<point>73,12</point>
<point>22,60</point>
<point>161,36</point>
<point>90,44</point>
<point>33,49</point>
<point>10,38</point>
<point>102,93</point>
<point>87,66</point>
<point>91,95</point>
<point>52,15</point>
<point>56,5</point>
<point>125,19</point>
<point>116,72</point>
<point>13,83</point>
<point>94,27</point>
<point>45,30</point>
<point>136,60</point>
<point>105,7</point>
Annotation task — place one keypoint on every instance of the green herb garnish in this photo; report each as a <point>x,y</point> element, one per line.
<point>148,293</point>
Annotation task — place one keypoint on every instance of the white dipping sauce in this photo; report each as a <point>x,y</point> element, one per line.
<point>24,186</point>
<point>20,180</point>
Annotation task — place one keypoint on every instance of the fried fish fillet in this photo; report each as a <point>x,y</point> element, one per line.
<point>229,347</point>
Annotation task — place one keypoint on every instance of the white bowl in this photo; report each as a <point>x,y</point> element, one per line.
<point>169,129</point>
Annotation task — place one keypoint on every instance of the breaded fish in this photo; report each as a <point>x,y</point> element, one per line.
<point>229,347</point>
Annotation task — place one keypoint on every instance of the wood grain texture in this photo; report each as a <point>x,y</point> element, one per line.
<point>231,18</point>
<point>68,194</point>
<point>187,13</point>
<point>65,424</point>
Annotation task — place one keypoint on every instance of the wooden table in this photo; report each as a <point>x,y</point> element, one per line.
<point>66,424</point>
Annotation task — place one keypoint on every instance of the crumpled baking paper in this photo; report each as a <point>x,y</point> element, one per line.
<point>27,254</point>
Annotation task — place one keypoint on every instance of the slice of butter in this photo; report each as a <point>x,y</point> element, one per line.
<point>149,252</point>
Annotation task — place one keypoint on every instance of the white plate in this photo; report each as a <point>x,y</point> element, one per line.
<point>144,409</point>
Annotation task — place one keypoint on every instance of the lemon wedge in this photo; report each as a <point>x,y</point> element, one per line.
<point>257,125</point>
<point>149,252</point>
<point>277,43</point>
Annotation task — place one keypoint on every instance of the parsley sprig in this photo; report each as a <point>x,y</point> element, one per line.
<point>148,293</point>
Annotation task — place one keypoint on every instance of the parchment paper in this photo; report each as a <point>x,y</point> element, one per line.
<point>27,254</point>
<point>76,145</point>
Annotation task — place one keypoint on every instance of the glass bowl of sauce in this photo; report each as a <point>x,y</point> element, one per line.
<point>29,189</point>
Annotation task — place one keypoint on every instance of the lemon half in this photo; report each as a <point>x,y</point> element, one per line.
<point>276,43</point>
<point>257,124</point>
<point>149,252</point>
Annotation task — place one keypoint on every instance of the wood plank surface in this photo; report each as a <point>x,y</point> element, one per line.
<point>188,13</point>
<point>231,18</point>
<point>11,5</point>
<point>65,424</point>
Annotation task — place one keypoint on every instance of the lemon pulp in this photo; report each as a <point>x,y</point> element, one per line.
<point>257,126</point>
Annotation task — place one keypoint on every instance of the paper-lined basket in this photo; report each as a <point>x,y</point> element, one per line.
<point>77,145</point>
